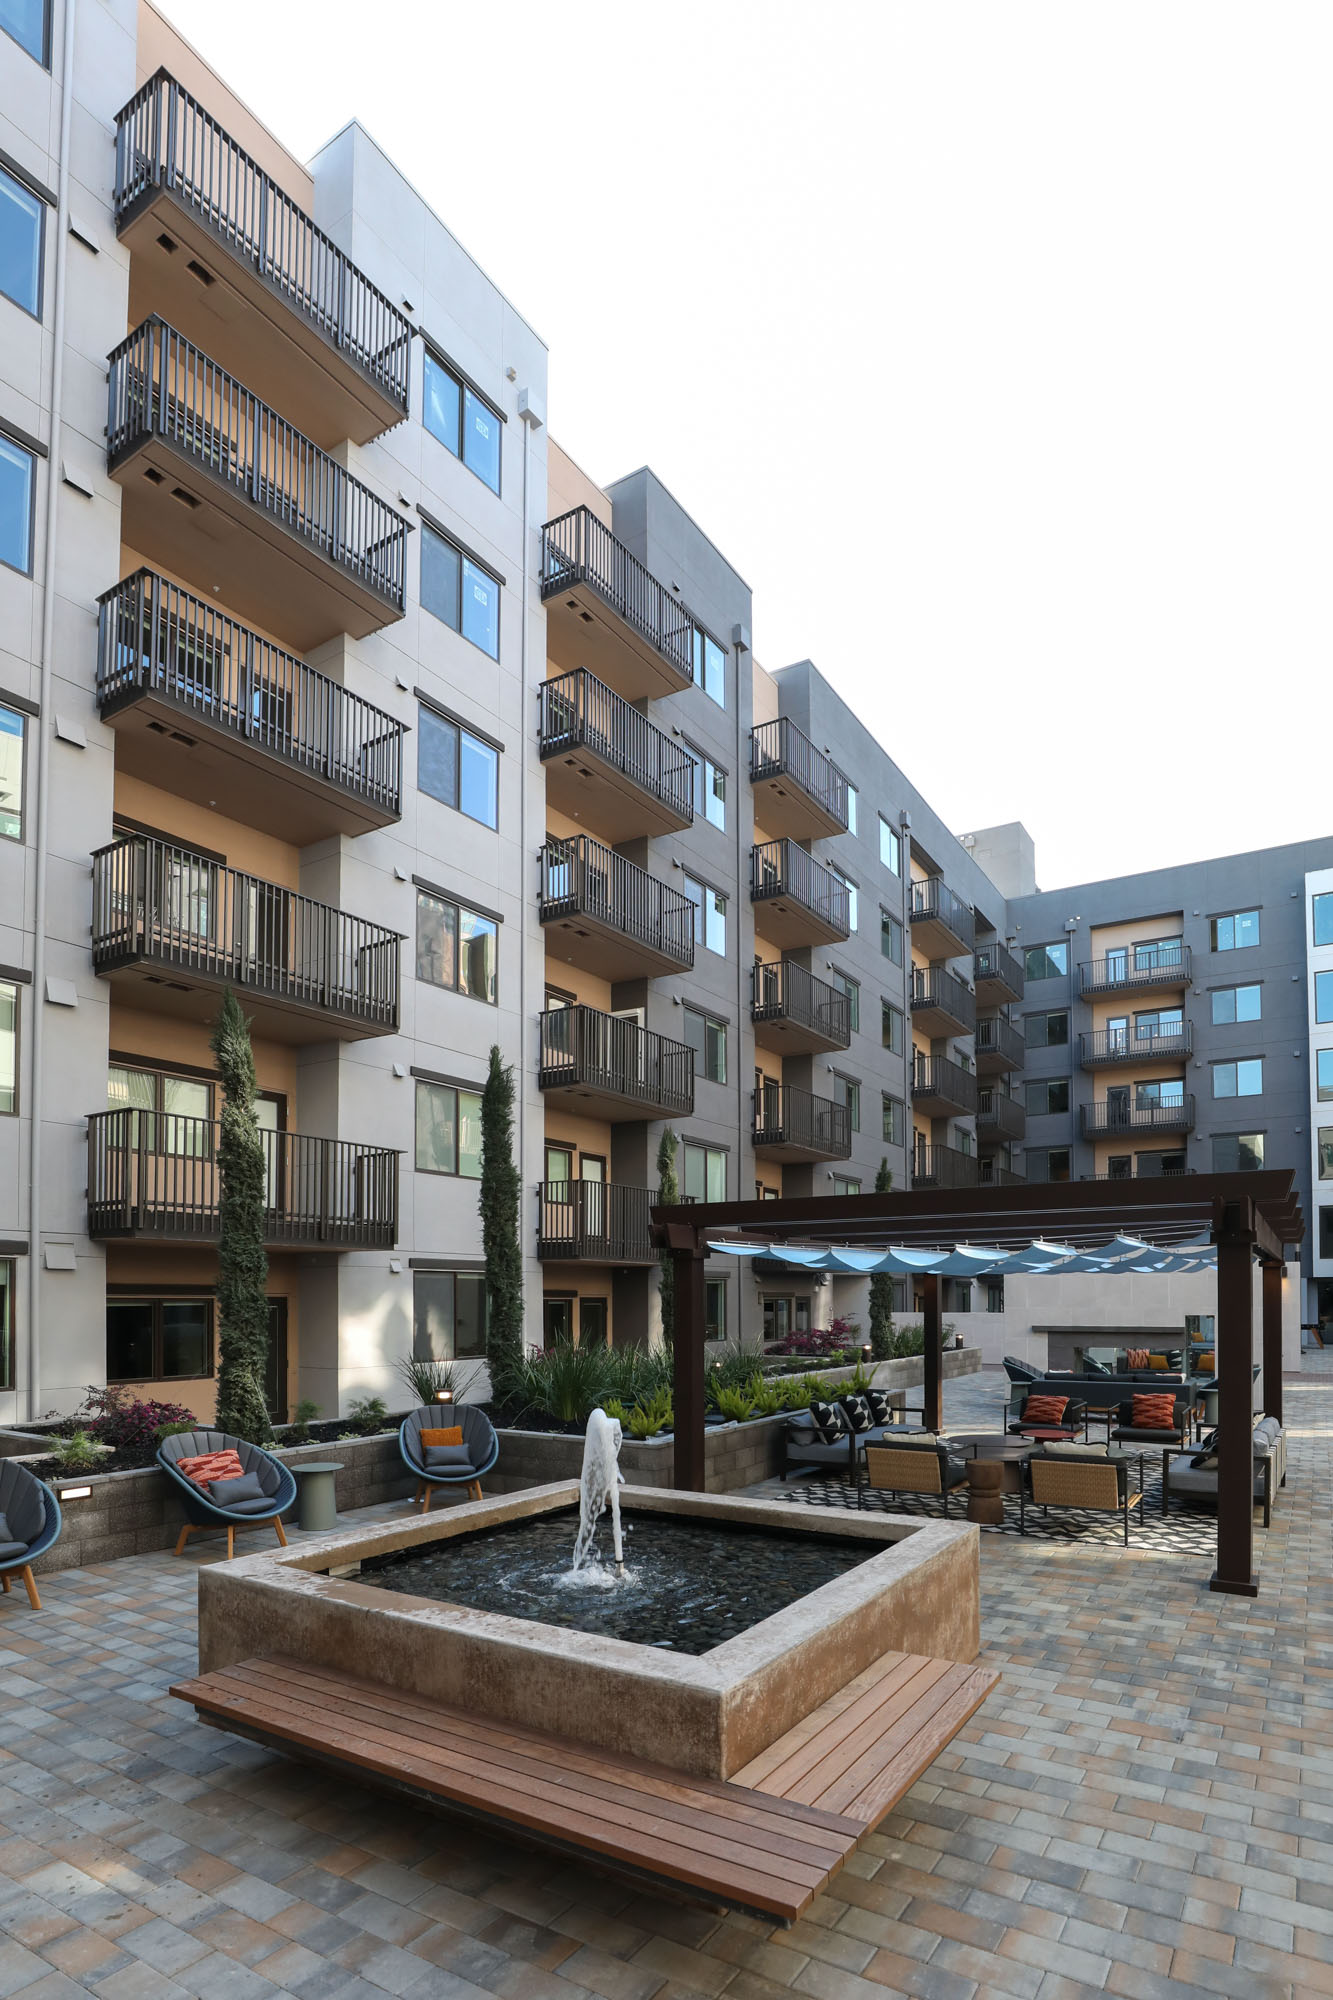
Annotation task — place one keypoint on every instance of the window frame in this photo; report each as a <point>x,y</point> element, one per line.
<point>1323,982</point>
<point>853,896</point>
<point>702,1147</point>
<point>466,559</point>
<point>1324,896</point>
<point>701,664</point>
<point>703,786</point>
<point>851,1085</point>
<point>21,717</point>
<point>890,1014</point>
<point>1032,1085</point>
<point>10,173</point>
<point>15,986</point>
<point>843,982</point>
<point>1235,1019</point>
<point>893,859</point>
<point>846,1184</point>
<point>458,1090</point>
<point>702,912</point>
<point>715,1287</point>
<point>892,1114</point>
<point>1322,1095</point>
<point>719,1027</point>
<point>438,718</point>
<point>467,392</point>
<point>44,59</point>
<point>459,909</point>
<point>8,1292</point>
<point>1238,1139</point>
<point>10,443</point>
<point>1233,917</point>
<point>157,1300</point>
<point>454,1273</point>
<point>1054,1014</point>
<point>1236,1064</point>
<point>1054,968</point>
<point>893,926</point>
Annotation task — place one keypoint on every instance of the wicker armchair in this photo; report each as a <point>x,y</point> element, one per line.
<point>1096,1483</point>
<point>924,1467</point>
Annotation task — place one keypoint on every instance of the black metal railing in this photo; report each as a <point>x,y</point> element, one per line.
<point>786,1116</point>
<point>944,1166</point>
<point>156,903</point>
<point>164,138</point>
<point>940,1076</point>
<point>578,548</point>
<point>154,638</point>
<point>787,992</point>
<point>578,712</point>
<point>152,1173</point>
<point>993,1173</point>
<point>1112,1115</point>
<point>580,877</point>
<point>934,902</point>
<point>605,1052</point>
<point>1000,1038</point>
<point>998,1113</point>
<point>1138,965</point>
<point>1136,1043</point>
<point>1139,1174</point>
<point>779,868</point>
<point>596,1220</point>
<point>782,750</point>
<point>992,961</point>
<point>162,385</point>
<point>941,990</point>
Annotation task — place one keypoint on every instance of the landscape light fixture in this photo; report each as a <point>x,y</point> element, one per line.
<point>444,1395</point>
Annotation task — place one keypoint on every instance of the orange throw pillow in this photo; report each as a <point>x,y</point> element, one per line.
<point>213,1465</point>
<point>1137,1357</point>
<point>1157,1361</point>
<point>1045,1409</point>
<point>454,1435</point>
<point>1152,1413</point>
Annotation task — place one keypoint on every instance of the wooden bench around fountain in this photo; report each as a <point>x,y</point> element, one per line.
<point>767,1840</point>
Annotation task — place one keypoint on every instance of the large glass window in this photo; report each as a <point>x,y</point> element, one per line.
<point>18,477</point>
<point>1047,961</point>
<point>710,667</point>
<point>1323,996</point>
<point>159,1339</point>
<point>847,1091</point>
<point>892,1027</point>
<point>1239,1079</point>
<point>1237,1003</point>
<point>1238,1152</point>
<point>710,789</point>
<point>22,219</point>
<point>1321,910</point>
<point>893,1119</point>
<point>460,592</point>
<point>168,1114</point>
<point>456,947</point>
<point>842,982</point>
<point>9,1046</point>
<point>710,914</point>
<point>463,422</point>
<point>11,774</point>
<point>1324,1075</point>
<point>890,847</point>
<point>448,1130</point>
<point>890,938</point>
<point>705,1173</point>
<point>1236,932</point>
<point>852,898</point>
<point>844,1184</point>
<point>708,1038</point>
<point>1046,1031</point>
<point>1325,1136</point>
<point>1051,1094</point>
<point>29,22</point>
<point>715,1309</point>
<point>852,802</point>
<point>457,768</point>
<point>1047,1163</point>
<point>448,1315</point>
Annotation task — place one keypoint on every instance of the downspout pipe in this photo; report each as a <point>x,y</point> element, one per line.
<point>532,417</point>
<point>37,1035</point>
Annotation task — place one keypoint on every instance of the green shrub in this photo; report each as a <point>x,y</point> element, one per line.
<point>565,1382</point>
<point>369,1414</point>
<point>298,1431</point>
<point>78,1453</point>
<point>769,1398</point>
<point>647,1419</point>
<point>616,1410</point>
<point>735,1404</point>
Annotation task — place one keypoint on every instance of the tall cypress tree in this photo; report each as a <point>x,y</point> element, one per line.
<point>881,1289</point>
<point>668,1193</point>
<point>500,1195</point>
<point>242,1260</point>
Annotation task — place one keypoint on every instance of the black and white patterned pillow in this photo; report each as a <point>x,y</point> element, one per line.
<point>856,1409</point>
<point>829,1422</point>
<point>881,1409</point>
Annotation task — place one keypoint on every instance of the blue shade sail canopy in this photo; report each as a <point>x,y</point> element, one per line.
<point>1122,1256</point>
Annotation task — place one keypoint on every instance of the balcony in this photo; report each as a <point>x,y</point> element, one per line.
<point>609,916</point>
<point>605,611</point>
<point>792,1124</point>
<point>797,789</point>
<point>612,1068</point>
<point>1115,1117</point>
<point>941,1087</point>
<point>941,1003</point>
<point>999,1047</point>
<point>219,248</point>
<point>225,492</point>
<point>992,1173</point>
<point>944,1167</point>
<point>205,708</point>
<point>997,975</point>
<point>154,1176</point>
<point>999,1117</point>
<point>607,764</point>
<point>795,1013</point>
<point>1140,1173</point>
<point>796,899</point>
<point>1142,969</point>
<point>594,1222</point>
<point>171,927</point>
<point>942,925</point>
<point>1111,1047</point>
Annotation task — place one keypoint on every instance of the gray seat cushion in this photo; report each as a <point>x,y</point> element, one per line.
<point>264,1505</point>
<point>1201,1481</point>
<point>448,1458</point>
<point>13,1551</point>
<point>231,1492</point>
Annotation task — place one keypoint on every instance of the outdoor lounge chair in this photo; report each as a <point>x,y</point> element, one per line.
<point>1084,1481</point>
<point>1071,1417</point>
<point>921,1467</point>
<point>1127,1433</point>
<point>1181,1476</point>
<point>483,1449</point>
<point>202,1511</point>
<point>31,1515</point>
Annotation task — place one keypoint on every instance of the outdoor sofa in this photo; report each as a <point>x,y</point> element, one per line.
<point>808,1442</point>
<point>1194,1476</point>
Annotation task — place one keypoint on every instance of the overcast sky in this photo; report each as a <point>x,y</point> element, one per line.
<point>991,342</point>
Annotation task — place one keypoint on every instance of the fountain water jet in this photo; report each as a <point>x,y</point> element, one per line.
<point>599,1486</point>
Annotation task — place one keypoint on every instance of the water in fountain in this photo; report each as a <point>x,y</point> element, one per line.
<point>598,1488</point>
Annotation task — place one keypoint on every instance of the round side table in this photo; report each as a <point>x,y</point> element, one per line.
<point>985,1491</point>
<point>319,1499</point>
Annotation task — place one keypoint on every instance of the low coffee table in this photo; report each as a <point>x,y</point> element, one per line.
<point>994,1468</point>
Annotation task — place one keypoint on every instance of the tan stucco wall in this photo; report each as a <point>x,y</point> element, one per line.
<point>195,825</point>
<point>568,485</point>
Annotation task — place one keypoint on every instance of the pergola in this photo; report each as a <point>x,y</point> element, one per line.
<point>1237,1219</point>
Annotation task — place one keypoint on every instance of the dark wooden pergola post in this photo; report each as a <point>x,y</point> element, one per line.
<point>1271,1302</point>
<point>932,1395</point>
<point>1234,1234</point>
<point>687,1257</point>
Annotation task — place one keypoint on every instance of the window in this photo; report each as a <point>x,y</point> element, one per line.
<point>851,988</point>
<point>6,1322</point>
<point>18,475</point>
<point>1325,1138</point>
<point>890,847</point>
<point>852,796</point>
<point>1238,1079</point>
<point>456,948</point>
<point>995,1295</point>
<point>705,1177</point>
<point>1047,1163</point>
<point>1321,911</point>
<point>1324,1075</point>
<point>715,1308</point>
<point>460,592</point>
<point>710,914</point>
<point>448,1130</point>
<point>11,774</point>
<point>9,1047</point>
<point>963,1141</point>
<point>846,1090</point>
<point>22,219</point>
<point>850,887</point>
<point>456,767</point>
<point>1323,996</point>
<point>1159,1021</point>
<point>890,938</point>
<point>1046,1031</point>
<point>710,789</point>
<point>1236,1003</point>
<point>708,1038</point>
<point>1238,1152</point>
<point>894,1119</point>
<point>29,22</point>
<point>1236,932</point>
<point>169,1114</point>
<point>1171,1092</point>
<point>448,1315</point>
<point>465,424</point>
<point>710,667</point>
<point>892,1027</point>
<point>1046,961</point>
<point>159,1340</point>
<point>842,1185</point>
<point>1050,1095</point>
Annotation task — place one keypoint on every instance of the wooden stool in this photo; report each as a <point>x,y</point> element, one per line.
<point>985,1491</point>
